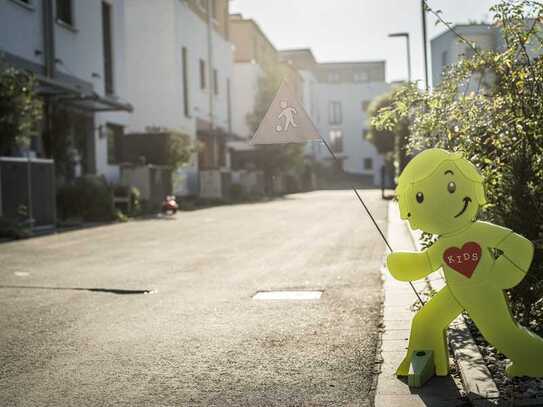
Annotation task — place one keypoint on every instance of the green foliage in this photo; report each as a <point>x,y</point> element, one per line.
<point>180,149</point>
<point>273,159</point>
<point>89,198</point>
<point>20,108</point>
<point>490,107</point>
<point>392,142</point>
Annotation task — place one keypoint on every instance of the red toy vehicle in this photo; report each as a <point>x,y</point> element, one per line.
<point>169,205</point>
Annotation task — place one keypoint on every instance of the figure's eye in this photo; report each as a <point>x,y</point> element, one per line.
<point>420,197</point>
<point>451,187</point>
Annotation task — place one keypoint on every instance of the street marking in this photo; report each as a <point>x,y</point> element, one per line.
<point>21,274</point>
<point>287,295</point>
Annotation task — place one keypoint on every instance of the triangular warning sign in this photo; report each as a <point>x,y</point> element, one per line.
<point>286,121</point>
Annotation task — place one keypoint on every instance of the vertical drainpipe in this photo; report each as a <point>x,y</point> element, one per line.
<point>48,33</point>
<point>211,86</point>
<point>48,38</point>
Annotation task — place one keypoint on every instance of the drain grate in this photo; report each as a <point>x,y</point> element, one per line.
<point>288,295</point>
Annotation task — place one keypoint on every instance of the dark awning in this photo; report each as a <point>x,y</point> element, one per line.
<point>80,97</point>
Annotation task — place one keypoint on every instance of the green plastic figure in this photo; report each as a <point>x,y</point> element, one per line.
<point>441,193</point>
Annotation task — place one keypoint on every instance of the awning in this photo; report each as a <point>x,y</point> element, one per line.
<point>80,97</point>
<point>240,146</point>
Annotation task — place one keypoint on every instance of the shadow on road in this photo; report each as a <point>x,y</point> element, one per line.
<point>118,291</point>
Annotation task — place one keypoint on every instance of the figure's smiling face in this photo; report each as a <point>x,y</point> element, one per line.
<point>443,202</point>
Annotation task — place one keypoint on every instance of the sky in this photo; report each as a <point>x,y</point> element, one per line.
<point>353,30</point>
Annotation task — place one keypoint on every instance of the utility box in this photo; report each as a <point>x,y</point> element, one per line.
<point>28,183</point>
<point>215,184</point>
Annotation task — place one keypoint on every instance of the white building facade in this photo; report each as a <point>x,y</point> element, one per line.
<point>344,92</point>
<point>173,85</point>
<point>76,50</point>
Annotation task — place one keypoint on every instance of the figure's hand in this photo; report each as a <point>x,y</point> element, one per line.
<point>505,274</point>
<point>408,266</point>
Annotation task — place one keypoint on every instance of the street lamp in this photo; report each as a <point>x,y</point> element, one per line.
<point>406,35</point>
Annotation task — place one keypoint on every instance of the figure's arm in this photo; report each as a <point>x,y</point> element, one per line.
<point>409,266</point>
<point>517,250</point>
<point>511,266</point>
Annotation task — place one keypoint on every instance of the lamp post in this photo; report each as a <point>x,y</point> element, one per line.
<point>406,35</point>
<point>425,44</point>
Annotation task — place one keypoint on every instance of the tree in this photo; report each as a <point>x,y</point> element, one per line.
<point>392,143</point>
<point>20,109</point>
<point>490,107</point>
<point>273,159</point>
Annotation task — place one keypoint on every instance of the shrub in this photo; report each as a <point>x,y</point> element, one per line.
<point>89,197</point>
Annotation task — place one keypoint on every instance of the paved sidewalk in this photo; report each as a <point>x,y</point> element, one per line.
<point>391,391</point>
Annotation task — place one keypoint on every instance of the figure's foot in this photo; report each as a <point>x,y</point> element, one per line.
<point>403,369</point>
<point>516,370</point>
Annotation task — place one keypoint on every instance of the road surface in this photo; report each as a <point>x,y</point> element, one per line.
<point>200,338</point>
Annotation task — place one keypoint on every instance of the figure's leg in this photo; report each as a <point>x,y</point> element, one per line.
<point>524,348</point>
<point>428,331</point>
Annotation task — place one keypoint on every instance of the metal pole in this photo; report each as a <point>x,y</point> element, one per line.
<point>211,85</point>
<point>408,43</point>
<point>408,58</point>
<point>29,188</point>
<point>424,43</point>
<point>370,215</point>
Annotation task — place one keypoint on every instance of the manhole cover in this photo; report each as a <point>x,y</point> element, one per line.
<point>287,295</point>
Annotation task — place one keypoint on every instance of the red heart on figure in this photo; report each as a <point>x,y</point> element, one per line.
<point>463,260</point>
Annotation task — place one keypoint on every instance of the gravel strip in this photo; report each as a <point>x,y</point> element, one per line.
<point>511,390</point>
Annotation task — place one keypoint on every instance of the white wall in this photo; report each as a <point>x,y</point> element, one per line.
<point>120,86</point>
<point>354,122</point>
<point>191,32</point>
<point>79,54</point>
<point>244,89</point>
<point>155,81</point>
<point>21,30</point>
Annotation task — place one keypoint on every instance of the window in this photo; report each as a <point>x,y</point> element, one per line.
<point>65,12</point>
<point>368,163</point>
<point>334,113</point>
<point>184,63</point>
<point>213,7</point>
<point>365,105</point>
<point>469,52</point>
<point>365,134</point>
<point>108,48</point>
<point>114,140</point>
<point>444,58</point>
<point>361,77</point>
<point>202,74</point>
<point>336,140</point>
<point>333,77</point>
<point>215,82</point>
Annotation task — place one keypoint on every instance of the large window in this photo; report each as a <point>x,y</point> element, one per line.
<point>334,113</point>
<point>65,11</point>
<point>184,63</point>
<point>368,163</point>
<point>202,74</point>
<point>108,48</point>
<point>336,140</point>
<point>114,139</point>
<point>215,82</point>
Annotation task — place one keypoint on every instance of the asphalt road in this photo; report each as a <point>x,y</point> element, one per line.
<point>200,339</point>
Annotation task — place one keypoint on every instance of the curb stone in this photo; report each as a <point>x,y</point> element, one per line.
<point>397,316</point>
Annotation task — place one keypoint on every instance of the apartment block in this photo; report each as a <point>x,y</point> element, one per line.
<point>75,48</point>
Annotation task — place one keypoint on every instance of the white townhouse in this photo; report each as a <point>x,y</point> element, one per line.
<point>75,49</point>
<point>345,90</point>
<point>179,65</point>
